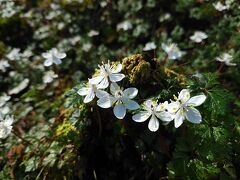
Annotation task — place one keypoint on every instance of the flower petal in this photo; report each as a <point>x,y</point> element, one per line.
<point>57,61</point>
<point>148,104</point>
<point>48,62</point>
<point>193,115</point>
<point>184,95</point>
<point>196,100</point>
<point>130,92</point>
<point>46,55</point>
<point>96,80</point>
<point>164,47</point>
<point>101,93</point>
<point>162,106</point>
<point>141,116</point>
<point>153,124</point>
<point>230,64</point>
<point>119,111</point>
<point>83,91</point>
<point>60,55</point>
<point>8,120</point>
<point>131,105</point>
<point>106,101</point>
<point>179,118</point>
<point>173,107</point>
<point>165,116</point>
<point>89,97</point>
<point>114,88</point>
<point>103,84</point>
<point>116,77</point>
<point>116,69</point>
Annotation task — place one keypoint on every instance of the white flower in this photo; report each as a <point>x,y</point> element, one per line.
<point>227,59</point>
<point>121,99</point>
<point>151,108</point>
<point>103,3</point>
<point>220,7</point>
<point>5,125</point>
<point>4,65</point>
<point>149,46</point>
<point>198,36</point>
<point>3,99</point>
<point>20,87</point>
<point>53,57</point>
<point>49,76</point>
<point>5,110</point>
<point>107,73</point>
<point>93,33</point>
<point>74,40</point>
<point>42,32</point>
<point>172,50</point>
<point>164,17</point>
<point>125,25</point>
<point>14,54</point>
<point>89,91</point>
<point>86,47</point>
<point>8,9</point>
<point>184,108</point>
<point>27,53</point>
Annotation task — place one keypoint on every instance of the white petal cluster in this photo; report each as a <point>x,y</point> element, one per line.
<point>20,87</point>
<point>5,125</point>
<point>149,46</point>
<point>107,73</point>
<point>93,33</point>
<point>4,65</point>
<point>183,108</point>
<point>198,36</point>
<point>226,58</point>
<point>172,51</point>
<point>220,7</point>
<point>89,91</point>
<point>154,110</point>
<point>87,46</point>
<point>3,99</point>
<point>121,99</point>
<point>14,54</point>
<point>8,9</point>
<point>125,25</point>
<point>53,56</point>
<point>49,76</point>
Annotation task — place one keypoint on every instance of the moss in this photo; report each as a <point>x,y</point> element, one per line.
<point>137,68</point>
<point>64,129</point>
<point>66,132</point>
<point>179,77</point>
<point>143,70</point>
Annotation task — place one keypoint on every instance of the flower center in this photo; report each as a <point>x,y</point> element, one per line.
<point>118,94</point>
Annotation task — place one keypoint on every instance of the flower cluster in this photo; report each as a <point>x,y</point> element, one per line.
<point>172,51</point>
<point>53,56</point>
<point>155,110</point>
<point>182,108</point>
<point>226,58</point>
<point>121,100</point>
<point>5,125</point>
<point>198,36</point>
